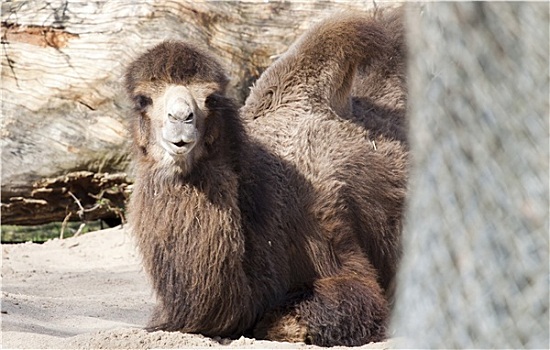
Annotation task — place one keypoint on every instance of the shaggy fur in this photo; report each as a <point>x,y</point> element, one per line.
<point>283,223</point>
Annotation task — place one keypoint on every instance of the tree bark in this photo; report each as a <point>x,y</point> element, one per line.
<point>63,106</point>
<point>474,272</point>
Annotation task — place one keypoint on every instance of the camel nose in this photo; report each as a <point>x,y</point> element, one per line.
<point>183,116</point>
<point>180,109</point>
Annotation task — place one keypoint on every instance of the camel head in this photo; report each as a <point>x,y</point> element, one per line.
<point>173,88</point>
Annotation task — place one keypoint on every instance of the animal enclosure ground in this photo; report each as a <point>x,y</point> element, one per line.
<point>89,292</point>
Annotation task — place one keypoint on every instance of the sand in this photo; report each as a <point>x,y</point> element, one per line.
<point>90,292</point>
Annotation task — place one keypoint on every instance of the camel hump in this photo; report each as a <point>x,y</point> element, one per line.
<point>319,68</point>
<point>329,53</point>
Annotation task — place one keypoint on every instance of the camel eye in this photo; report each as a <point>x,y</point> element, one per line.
<point>211,100</point>
<point>142,102</point>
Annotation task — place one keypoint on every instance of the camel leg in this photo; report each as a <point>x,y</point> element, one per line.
<point>341,310</point>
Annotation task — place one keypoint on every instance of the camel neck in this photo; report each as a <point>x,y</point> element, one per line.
<point>194,222</point>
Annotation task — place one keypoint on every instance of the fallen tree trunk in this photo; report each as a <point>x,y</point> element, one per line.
<point>63,107</point>
<point>80,195</point>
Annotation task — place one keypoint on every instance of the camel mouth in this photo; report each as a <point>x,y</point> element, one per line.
<point>180,144</point>
<point>178,149</point>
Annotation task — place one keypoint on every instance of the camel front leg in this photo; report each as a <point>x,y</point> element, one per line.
<point>340,310</point>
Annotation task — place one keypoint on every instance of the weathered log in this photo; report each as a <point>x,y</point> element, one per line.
<point>81,195</point>
<point>62,63</point>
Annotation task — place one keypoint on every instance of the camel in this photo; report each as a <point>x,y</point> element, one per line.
<point>282,219</point>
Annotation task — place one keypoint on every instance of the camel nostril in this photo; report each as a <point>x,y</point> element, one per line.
<point>179,118</point>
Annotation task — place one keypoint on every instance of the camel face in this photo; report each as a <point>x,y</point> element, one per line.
<point>171,125</point>
<point>177,117</point>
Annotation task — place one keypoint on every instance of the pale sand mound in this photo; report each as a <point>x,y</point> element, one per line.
<point>89,292</point>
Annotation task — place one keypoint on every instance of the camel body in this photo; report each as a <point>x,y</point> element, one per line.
<point>281,220</point>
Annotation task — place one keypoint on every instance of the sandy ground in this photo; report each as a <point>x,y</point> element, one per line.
<point>90,292</point>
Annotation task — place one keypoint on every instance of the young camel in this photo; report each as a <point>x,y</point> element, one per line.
<point>282,221</point>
